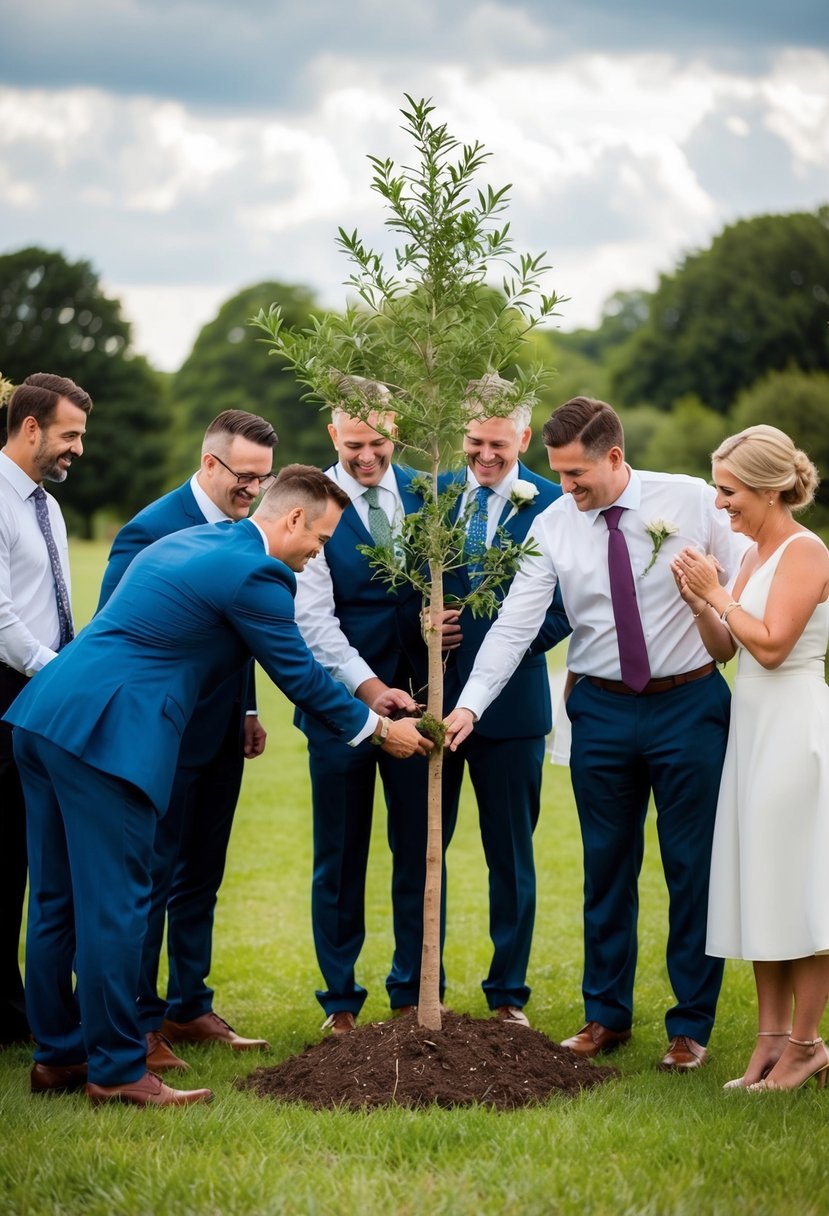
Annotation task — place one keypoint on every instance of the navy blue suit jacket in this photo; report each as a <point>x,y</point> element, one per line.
<point>220,707</point>
<point>188,614</point>
<point>522,709</point>
<point>371,614</point>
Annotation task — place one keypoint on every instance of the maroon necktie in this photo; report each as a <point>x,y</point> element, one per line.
<point>633,653</point>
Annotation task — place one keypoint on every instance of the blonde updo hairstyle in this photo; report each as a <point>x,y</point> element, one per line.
<point>765,458</point>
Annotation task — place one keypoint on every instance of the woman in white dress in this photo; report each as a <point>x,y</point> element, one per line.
<point>769,899</point>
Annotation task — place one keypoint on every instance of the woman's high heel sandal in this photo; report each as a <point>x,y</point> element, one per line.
<point>821,1073</point>
<point>740,1082</point>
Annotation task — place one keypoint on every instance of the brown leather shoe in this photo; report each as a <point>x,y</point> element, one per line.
<point>160,1055</point>
<point>593,1038</point>
<point>210,1028</point>
<point>511,1014</point>
<point>148,1090</point>
<point>58,1078</point>
<point>340,1022</point>
<point>683,1055</point>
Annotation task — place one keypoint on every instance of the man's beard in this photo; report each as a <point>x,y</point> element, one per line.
<point>50,471</point>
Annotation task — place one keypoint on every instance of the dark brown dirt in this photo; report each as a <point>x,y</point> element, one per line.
<point>400,1063</point>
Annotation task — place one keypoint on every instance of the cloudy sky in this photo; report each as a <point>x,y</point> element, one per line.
<point>188,148</point>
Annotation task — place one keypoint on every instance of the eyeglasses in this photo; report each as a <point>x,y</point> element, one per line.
<point>245,479</point>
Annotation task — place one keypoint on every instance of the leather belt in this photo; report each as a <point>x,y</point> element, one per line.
<point>660,684</point>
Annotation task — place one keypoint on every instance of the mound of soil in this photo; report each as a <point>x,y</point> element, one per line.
<point>401,1063</point>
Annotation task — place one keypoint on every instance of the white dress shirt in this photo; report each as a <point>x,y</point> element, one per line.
<point>572,548</point>
<point>316,612</point>
<point>29,625</point>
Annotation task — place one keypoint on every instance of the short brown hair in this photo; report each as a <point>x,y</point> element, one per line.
<point>302,485</point>
<point>38,396</point>
<point>239,422</point>
<point>593,424</point>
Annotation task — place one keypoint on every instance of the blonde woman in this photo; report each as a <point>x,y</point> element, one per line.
<point>769,901</point>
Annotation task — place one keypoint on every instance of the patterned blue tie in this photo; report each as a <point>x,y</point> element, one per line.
<point>61,594</point>
<point>476,529</point>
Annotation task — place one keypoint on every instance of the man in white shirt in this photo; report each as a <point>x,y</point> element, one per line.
<point>355,626</point>
<point>46,421</point>
<point>649,711</point>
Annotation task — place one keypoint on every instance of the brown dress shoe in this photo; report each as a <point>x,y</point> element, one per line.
<point>511,1014</point>
<point>683,1055</point>
<point>210,1028</point>
<point>340,1022</point>
<point>148,1090</point>
<point>593,1038</point>
<point>58,1078</point>
<point>160,1055</point>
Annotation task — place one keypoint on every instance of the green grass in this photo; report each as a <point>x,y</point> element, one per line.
<point>647,1144</point>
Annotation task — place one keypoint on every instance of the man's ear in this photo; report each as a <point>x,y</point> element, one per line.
<point>295,519</point>
<point>30,429</point>
<point>332,431</point>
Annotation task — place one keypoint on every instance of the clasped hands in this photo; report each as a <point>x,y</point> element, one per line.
<point>697,576</point>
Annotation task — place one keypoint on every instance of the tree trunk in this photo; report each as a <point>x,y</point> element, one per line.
<point>428,1005</point>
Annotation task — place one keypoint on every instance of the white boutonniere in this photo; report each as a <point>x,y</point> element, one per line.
<point>521,495</point>
<point>658,530</point>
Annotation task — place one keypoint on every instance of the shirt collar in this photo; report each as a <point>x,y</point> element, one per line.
<point>16,477</point>
<point>208,508</point>
<point>355,489</point>
<point>261,533</point>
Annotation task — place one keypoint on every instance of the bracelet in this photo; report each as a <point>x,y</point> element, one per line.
<point>728,609</point>
<point>385,727</point>
<point>697,615</point>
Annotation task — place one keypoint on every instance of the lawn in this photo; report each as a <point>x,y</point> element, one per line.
<point>648,1143</point>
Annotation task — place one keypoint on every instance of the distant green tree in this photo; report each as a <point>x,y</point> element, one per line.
<point>55,318</point>
<point>683,440</point>
<point>640,424</point>
<point>798,403</point>
<point>226,370</point>
<point>623,314</point>
<point>756,301</point>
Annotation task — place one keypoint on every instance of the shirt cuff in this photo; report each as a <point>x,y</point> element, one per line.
<point>354,673</point>
<point>368,729</point>
<point>475,697</point>
<point>39,658</point>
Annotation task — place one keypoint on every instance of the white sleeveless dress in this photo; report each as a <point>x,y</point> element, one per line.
<point>769,892</point>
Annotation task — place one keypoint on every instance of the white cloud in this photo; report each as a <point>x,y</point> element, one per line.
<point>179,207</point>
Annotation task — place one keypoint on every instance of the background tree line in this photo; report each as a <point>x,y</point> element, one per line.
<point>736,334</point>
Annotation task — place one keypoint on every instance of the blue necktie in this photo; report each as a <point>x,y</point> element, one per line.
<point>61,594</point>
<point>630,637</point>
<point>476,529</point>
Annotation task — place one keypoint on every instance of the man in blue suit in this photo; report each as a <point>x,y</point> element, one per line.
<point>506,753</point>
<point>192,835</point>
<point>97,737</point>
<point>355,626</point>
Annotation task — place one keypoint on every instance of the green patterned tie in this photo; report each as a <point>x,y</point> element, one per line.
<point>378,521</point>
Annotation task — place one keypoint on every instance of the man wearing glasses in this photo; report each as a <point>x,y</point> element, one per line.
<point>192,837</point>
